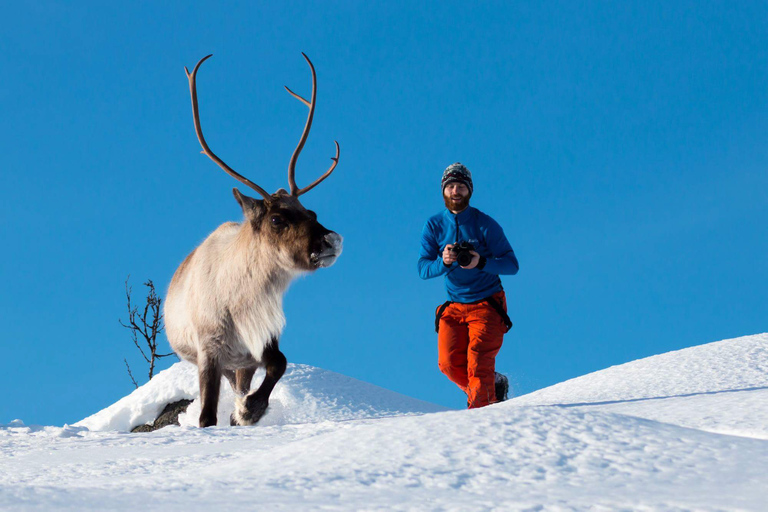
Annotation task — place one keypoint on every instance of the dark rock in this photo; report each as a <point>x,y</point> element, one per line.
<point>169,416</point>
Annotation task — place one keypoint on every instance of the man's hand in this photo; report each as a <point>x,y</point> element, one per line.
<point>449,256</point>
<point>474,262</point>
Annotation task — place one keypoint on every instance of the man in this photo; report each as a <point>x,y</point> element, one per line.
<point>471,325</point>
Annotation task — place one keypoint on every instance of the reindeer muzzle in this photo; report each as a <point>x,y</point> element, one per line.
<point>332,246</point>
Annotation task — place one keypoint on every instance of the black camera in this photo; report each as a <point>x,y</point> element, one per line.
<point>462,252</point>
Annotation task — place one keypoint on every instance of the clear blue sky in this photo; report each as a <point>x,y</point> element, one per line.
<point>621,145</point>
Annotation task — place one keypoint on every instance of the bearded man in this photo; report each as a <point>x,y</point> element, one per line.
<point>469,249</point>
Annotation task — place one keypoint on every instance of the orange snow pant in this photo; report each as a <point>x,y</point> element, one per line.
<point>468,339</point>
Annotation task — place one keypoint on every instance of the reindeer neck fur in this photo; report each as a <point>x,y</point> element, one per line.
<point>260,261</point>
<point>261,275</point>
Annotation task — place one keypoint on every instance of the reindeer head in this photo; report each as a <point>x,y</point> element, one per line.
<point>297,241</point>
<point>280,220</point>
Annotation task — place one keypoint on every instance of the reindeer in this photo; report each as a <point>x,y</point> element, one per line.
<point>224,308</point>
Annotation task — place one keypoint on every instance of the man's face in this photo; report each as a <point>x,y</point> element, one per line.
<point>456,196</point>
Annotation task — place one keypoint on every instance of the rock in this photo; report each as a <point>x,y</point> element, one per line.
<point>169,416</point>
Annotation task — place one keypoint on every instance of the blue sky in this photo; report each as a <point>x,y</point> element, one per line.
<point>621,146</point>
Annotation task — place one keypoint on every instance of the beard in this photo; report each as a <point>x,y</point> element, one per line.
<point>456,205</point>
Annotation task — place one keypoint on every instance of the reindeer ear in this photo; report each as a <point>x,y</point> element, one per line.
<point>252,208</point>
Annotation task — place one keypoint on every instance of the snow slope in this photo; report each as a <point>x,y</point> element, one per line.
<point>358,447</point>
<point>305,394</point>
<point>718,387</point>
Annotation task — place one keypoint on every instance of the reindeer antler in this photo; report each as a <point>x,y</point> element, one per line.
<point>295,191</point>
<point>199,131</point>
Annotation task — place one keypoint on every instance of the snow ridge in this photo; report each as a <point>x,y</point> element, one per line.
<point>719,387</point>
<point>739,364</point>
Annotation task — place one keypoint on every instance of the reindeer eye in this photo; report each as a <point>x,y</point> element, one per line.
<point>277,220</point>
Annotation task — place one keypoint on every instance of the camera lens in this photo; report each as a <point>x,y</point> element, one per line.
<point>464,258</point>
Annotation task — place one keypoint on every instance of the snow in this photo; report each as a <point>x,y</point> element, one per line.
<point>305,394</point>
<point>719,387</point>
<point>735,364</point>
<point>686,430</point>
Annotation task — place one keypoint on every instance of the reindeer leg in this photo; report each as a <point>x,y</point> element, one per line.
<point>244,378</point>
<point>231,378</point>
<point>255,403</point>
<point>240,381</point>
<point>209,374</point>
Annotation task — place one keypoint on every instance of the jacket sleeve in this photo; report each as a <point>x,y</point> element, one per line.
<point>430,257</point>
<point>502,260</point>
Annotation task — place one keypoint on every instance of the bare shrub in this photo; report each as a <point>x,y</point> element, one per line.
<point>145,326</point>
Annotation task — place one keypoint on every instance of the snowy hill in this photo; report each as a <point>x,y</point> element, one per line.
<point>719,387</point>
<point>305,394</point>
<point>647,435</point>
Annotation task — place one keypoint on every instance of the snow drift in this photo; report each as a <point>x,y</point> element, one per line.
<point>718,387</point>
<point>730,365</point>
<point>639,436</point>
<point>305,394</point>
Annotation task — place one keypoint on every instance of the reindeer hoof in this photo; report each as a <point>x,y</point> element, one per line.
<point>248,416</point>
<point>207,421</point>
<point>239,417</point>
<point>255,412</point>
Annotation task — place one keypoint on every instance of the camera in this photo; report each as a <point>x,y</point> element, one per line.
<point>462,252</point>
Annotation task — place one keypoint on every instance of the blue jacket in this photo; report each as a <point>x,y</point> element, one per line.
<point>488,238</point>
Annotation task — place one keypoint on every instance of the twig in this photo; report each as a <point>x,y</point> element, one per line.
<point>130,374</point>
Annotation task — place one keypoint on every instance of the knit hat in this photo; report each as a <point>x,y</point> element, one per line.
<point>457,173</point>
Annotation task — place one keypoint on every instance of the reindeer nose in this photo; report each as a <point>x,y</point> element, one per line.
<point>333,241</point>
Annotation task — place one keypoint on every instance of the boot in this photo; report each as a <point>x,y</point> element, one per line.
<point>502,387</point>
